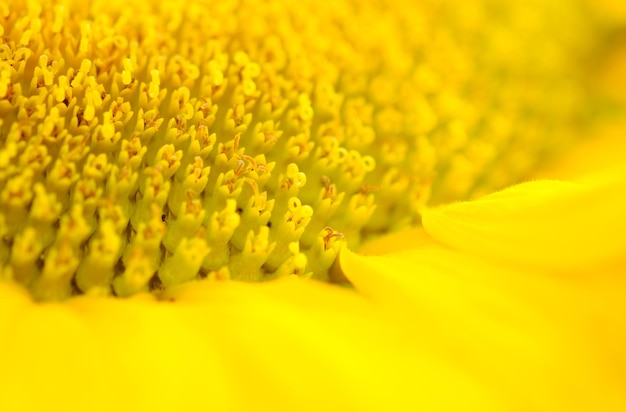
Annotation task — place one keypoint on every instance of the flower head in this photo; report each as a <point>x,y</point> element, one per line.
<point>160,159</point>
<point>146,144</point>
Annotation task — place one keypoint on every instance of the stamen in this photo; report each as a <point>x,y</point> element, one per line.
<point>195,145</point>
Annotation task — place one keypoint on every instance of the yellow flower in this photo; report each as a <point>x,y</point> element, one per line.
<point>183,186</point>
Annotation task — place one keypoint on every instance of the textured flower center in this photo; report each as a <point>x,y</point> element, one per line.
<point>146,144</point>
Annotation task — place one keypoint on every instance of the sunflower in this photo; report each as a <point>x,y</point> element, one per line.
<point>277,205</point>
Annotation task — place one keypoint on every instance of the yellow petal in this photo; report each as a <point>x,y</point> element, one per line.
<point>282,346</point>
<point>549,224</point>
<point>533,341</point>
<point>604,153</point>
<point>406,240</point>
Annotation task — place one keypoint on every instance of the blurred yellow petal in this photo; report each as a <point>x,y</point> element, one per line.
<point>408,239</point>
<point>284,346</point>
<point>611,10</point>
<point>533,341</point>
<point>523,289</point>
<point>558,225</point>
<point>104,355</point>
<point>605,153</point>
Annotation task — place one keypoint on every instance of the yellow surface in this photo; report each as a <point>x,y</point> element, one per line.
<point>145,146</point>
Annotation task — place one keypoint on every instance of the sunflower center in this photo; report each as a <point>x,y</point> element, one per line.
<point>146,144</point>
